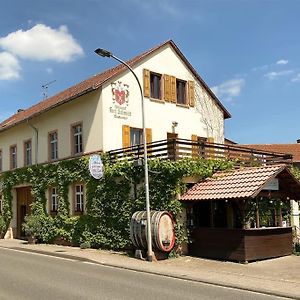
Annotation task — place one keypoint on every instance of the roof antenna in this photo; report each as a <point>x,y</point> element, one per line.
<point>45,87</point>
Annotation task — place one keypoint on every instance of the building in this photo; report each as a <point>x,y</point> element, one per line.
<point>293,149</point>
<point>103,113</point>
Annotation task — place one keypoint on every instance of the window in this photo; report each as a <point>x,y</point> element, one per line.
<point>136,136</point>
<point>181,91</point>
<point>13,157</point>
<point>155,85</point>
<point>77,139</point>
<point>1,203</point>
<point>79,198</point>
<point>53,146</point>
<point>27,153</point>
<point>0,160</point>
<point>53,200</point>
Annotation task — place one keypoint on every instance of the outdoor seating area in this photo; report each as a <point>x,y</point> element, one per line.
<point>242,215</point>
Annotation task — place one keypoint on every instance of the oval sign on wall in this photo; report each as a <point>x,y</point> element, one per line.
<point>96,166</point>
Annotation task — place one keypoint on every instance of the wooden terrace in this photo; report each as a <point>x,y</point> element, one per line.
<point>175,149</point>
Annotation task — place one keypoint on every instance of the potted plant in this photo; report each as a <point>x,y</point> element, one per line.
<point>32,227</point>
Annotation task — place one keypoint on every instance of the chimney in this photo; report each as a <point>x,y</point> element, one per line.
<point>20,110</point>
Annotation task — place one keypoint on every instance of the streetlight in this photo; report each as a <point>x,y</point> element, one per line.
<point>105,53</point>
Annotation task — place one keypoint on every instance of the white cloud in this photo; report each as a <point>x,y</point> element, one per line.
<point>41,43</point>
<point>275,75</point>
<point>229,89</point>
<point>9,66</point>
<point>296,78</point>
<point>282,62</point>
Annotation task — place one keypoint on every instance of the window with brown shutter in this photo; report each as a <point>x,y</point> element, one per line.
<point>155,85</point>
<point>146,83</point>
<point>167,88</point>
<point>173,89</point>
<point>148,135</point>
<point>191,91</point>
<point>125,136</point>
<point>181,91</point>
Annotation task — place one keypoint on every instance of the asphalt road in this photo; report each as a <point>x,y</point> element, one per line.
<point>33,276</point>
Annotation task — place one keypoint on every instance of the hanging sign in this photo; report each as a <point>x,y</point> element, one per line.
<point>96,166</point>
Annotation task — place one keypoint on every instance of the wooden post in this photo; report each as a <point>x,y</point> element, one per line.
<point>257,214</point>
<point>242,206</point>
<point>280,216</point>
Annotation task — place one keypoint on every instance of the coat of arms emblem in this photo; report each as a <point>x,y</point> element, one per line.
<point>120,93</point>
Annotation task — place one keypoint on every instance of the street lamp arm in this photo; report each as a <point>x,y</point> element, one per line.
<point>131,70</point>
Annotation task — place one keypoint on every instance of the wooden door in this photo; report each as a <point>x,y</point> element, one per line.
<point>24,199</point>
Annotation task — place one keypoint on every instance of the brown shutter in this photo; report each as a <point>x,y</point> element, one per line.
<point>149,140</point>
<point>191,91</point>
<point>148,135</point>
<point>210,151</point>
<point>173,89</point>
<point>194,146</point>
<point>167,87</point>
<point>126,136</point>
<point>146,83</point>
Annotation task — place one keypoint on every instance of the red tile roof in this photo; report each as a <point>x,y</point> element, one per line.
<point>94,83</point>
<point>293,149</point>
<point>234,184</point>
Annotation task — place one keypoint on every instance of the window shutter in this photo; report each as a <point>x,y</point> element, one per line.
<point>167,87</point>
<point>148,135</point>
<point>191,91</point>
<point>173,95</point>
<point>149,140</point>
<point>146,83</point>
<point>210,151</point>
<point>195,147</point>
<point>126,136</point>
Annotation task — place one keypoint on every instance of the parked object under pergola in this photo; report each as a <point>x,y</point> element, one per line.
<point>242,215</point>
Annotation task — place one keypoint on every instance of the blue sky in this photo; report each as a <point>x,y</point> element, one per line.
<point>247,51</point>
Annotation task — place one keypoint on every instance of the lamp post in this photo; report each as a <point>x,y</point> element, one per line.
<point>105,53</point>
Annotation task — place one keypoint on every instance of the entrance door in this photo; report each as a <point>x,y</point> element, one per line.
<point>24,199</point>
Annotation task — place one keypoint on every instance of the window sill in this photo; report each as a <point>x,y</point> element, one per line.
<point>157,100</point>
<point>182,105</point>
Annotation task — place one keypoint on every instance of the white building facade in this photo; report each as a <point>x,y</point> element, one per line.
<point>104,113</point>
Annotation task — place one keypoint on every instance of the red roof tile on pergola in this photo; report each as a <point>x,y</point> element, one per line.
<point>236,184</point>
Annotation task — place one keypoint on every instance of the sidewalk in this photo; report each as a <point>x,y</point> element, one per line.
<point>280,276</point>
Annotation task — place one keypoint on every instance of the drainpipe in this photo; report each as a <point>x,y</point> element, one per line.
<point>36,142</point>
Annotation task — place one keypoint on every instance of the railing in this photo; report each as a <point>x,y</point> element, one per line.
<point>175,149</point>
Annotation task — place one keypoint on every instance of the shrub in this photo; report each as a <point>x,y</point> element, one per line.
<point>3,226</point>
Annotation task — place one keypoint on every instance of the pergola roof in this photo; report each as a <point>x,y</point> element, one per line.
<point>243,183</point>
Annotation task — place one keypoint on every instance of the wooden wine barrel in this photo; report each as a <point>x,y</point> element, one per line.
<point>162,230</point>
